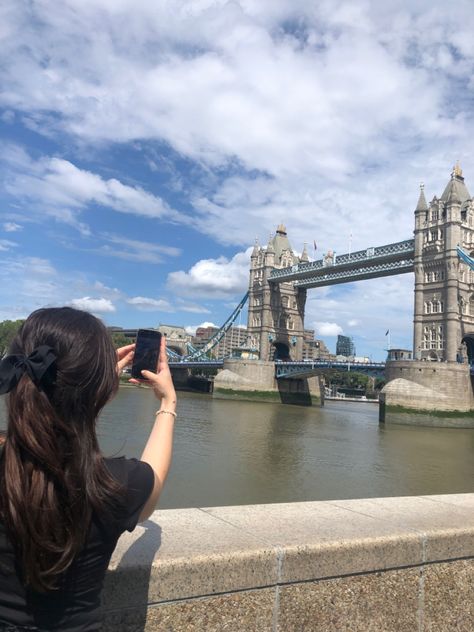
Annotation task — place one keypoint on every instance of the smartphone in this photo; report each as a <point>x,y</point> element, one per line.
<point>147,351</point>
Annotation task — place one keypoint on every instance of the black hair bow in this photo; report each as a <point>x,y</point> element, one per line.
<point>36,365</point>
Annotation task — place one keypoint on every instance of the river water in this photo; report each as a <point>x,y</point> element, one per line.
<point>234,452</point>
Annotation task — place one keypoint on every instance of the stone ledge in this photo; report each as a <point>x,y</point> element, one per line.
<point>191,553</point>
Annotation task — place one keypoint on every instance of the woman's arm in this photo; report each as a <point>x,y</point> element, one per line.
<point>159,447</point>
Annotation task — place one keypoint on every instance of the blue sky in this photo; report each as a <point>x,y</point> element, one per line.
<point>145,145</point>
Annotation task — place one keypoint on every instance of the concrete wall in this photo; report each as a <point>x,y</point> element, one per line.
<point>440,386</point>
<point>374,565</point>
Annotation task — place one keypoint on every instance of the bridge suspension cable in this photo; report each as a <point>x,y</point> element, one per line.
<point>465,257</point>
<point>217,337</point>
<point>172,355</point>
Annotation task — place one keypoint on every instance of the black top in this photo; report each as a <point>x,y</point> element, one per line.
<point>76,605</point>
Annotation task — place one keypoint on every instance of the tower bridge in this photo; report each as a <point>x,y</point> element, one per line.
<point>441,255</point>
<point>443,288</point>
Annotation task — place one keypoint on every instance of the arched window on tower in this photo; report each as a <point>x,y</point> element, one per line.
<point>285,301</point>
<point>436,306</point>
<point>471,305</point>
<point>426,338</point>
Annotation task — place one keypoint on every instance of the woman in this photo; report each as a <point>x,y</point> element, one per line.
<point>63,505</point>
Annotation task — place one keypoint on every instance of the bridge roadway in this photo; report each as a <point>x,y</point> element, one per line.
<point>283,369</point>
<point>311,367</point>
<point>371,263</point>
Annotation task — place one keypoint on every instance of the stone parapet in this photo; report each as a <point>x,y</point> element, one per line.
<point>391,564</point>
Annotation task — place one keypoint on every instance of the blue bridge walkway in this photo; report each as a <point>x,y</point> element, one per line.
<point>292,369</point>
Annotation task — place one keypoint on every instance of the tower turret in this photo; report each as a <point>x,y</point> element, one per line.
<point>276,310</point>
<point>442,287</point>
<point>304,255</point>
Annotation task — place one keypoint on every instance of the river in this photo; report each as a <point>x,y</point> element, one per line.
<point>236,452</point>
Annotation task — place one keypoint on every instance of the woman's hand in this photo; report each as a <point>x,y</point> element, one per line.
<point>161,381</point>
<point>124,357</point>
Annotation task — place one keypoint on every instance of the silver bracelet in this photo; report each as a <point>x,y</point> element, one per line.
<point>167,412</point>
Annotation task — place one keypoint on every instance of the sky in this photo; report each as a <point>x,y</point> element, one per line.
<point>146,145</point>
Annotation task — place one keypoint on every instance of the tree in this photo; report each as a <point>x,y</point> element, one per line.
<point>352,380</point>
<point>120,340</point>
<point>8,330</point>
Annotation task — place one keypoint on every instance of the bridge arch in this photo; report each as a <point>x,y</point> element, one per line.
<point>468,340</point>
<point>176,349</point>
<point>281,351</point>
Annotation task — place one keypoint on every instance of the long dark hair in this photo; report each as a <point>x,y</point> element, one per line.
<point>52,474</point>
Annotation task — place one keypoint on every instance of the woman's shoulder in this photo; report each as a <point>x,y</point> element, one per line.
<point>137,478</point>
<point>131,473</point>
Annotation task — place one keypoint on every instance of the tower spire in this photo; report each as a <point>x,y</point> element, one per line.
<point>304,254</point>
<point>457,171</point>
<point>422,205</point>
<point>255,248</point>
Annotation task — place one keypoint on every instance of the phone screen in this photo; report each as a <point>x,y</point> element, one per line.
<point>147,350</point>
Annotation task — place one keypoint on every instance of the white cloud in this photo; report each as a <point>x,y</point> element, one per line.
<point>191,329</point>
<point>327,329</point>
<point>146,304</point>
<point>192,308</point>
<point>6,244</point>
<point>215,278</point>
<point>322,110</point>
<point>63,190</point>
<point>353,322</point>
<point>29,283</point>
<point>197,75</point>
<point>11,227</point>
<point>94,305</point>
<point>135,250</point>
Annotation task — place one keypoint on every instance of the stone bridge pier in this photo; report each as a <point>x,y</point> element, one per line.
<point>428,393</point>
<point>255,380</point>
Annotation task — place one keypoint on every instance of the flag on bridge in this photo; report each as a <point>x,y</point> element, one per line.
<point>315,247</point>
<point>387,332</point>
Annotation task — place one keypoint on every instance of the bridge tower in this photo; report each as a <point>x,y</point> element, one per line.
<point>276,311</point>
<point>444,285</point>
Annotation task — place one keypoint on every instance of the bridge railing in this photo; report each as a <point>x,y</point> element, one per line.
<point>388,251</point>
<point>333,276</point>
<point>378,251</point>
<point>328,363</point>
<point>306,367</point>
